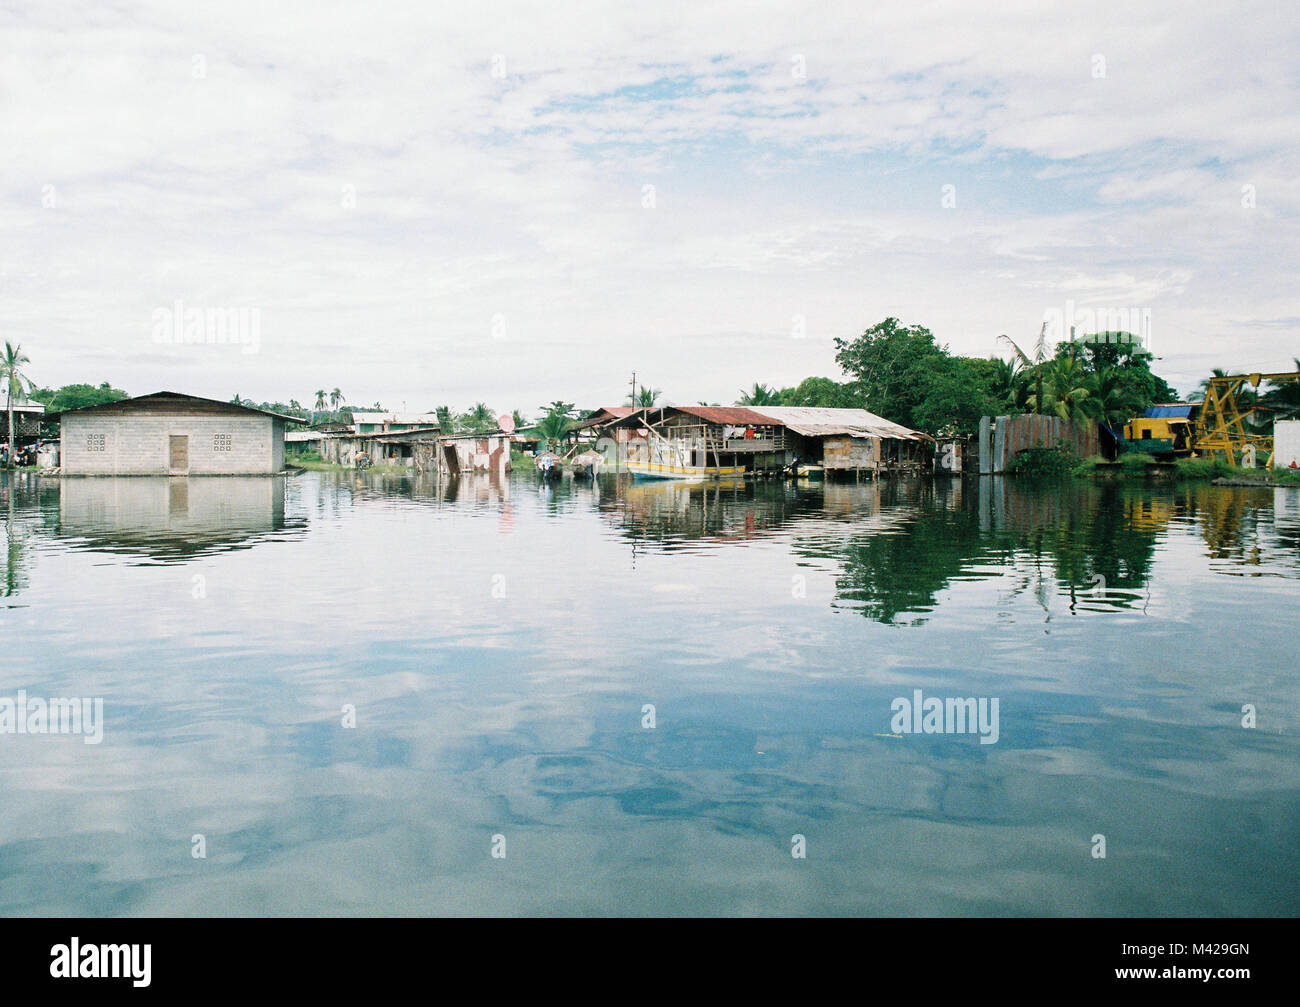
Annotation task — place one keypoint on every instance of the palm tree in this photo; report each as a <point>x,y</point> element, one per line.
<point>1067,393</point>
<point>479,418</point>
<point>15,383</point>
<point>552,426</point>
<point>1283,397</point>
<point>320,403</point>
<point>1033,365</point>
<point>759,395</point>
<point>1110,401</point>
<point>336,399</point>
<point>446,421</point>
<point>1008,383</point>
<point>1204,387</point>
<point>645,397</point>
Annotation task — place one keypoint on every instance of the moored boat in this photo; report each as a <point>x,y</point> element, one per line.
<point>656,470</point>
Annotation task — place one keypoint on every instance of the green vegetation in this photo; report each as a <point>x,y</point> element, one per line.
<point>555,423</point>
<point>759,395</point>
<point>77,396</point>
<point>903,373</point>
<point>1045,462</point>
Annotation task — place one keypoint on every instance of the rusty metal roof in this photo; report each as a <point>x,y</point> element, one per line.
<point>735,416</point>
<point>605,414</point>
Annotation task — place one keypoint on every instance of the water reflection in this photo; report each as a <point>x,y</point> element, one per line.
<point>172,519</point>
<point>499,648</point>
<point>899,545</point>
<point>23,500</point>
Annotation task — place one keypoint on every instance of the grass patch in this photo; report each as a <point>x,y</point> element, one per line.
<point>1137,465</point>
<point>1209,468</point>
<point>312,461</point>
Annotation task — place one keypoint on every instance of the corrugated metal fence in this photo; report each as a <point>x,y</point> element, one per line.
<point>1004,437</point>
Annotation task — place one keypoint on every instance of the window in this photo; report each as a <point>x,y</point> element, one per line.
<point>1146,435</point>
<point>96,442</point>
<point>221,442</point>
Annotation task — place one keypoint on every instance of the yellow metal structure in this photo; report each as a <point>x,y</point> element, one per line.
<point>1221,424</point>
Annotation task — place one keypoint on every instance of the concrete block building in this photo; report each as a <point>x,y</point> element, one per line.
<point>169,434</point>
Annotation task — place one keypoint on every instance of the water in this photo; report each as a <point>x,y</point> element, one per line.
<point>499,644</point>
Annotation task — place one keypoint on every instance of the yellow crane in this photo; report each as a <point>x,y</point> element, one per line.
<point>1221,423</point>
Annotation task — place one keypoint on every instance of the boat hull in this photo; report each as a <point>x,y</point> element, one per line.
<point>653,470</point>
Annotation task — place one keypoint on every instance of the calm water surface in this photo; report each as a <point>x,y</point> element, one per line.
<point>499,644</point>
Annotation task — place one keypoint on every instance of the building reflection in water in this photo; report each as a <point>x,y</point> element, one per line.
<point>170,519</point>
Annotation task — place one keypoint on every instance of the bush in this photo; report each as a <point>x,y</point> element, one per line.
<point>1044,462</point>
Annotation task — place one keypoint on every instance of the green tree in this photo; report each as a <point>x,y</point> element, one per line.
<point>16,383</point>
<point>956,396</point>
<point>1032,367</point>
<point>1114,398</point>
<point>1065,387</point>
<point>645,397</point>
<point>892,365</point>
<point>78,396</point>
<point>446,419</point>
<point>822,393</point>
<point>555,423</point>
<point>1283,397</point>
<point>336,399</point>
<point>478,419</point>
<point>320,403</point>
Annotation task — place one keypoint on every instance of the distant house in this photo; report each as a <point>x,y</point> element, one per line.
<point>393,448</point>
<point>169,434</point>
<point>392,423</point>
<point>693,441</point>
<point>27,421</point>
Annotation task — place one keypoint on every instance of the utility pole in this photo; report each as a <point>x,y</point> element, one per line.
<point>634,389</point>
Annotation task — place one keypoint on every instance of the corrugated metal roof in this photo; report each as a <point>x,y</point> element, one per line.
<point>423,419</point>
<point>805,420</point>
<point>165,400</point>
<point>825,422</point>
<point>736,416</point>
<point>1171,410</point>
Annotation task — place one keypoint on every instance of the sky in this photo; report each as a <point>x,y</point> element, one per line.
<point>437,204</point>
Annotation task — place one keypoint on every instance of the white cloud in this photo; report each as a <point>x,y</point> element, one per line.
<point>479,196</point>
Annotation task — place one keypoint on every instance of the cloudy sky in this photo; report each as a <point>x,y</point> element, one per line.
<point>432,204</point>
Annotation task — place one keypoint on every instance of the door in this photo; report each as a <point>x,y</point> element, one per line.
<point>179,461</point>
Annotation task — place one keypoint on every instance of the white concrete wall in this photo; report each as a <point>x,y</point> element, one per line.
<point>1286,444</point>
<point>139,444</point>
